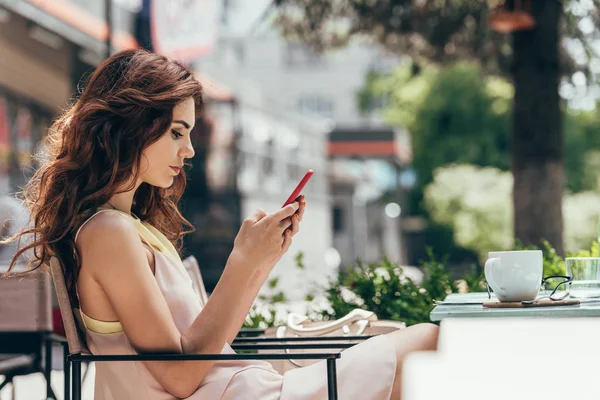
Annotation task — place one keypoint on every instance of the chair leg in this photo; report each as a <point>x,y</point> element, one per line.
<point>67,371</point>
<point>6,381</point>
<point>76,380</point>
<point>51,394</point>
<point>48,370</point>
<point>331,379</point>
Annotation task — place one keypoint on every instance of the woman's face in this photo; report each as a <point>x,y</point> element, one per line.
<point>163,159</point>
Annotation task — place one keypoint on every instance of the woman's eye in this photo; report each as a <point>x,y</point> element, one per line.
<point>176,134</point>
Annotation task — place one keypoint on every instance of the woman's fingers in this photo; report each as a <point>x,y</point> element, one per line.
<point>295,224</point>
<point>258,215</point>
<point>292,223</point>
<point>286,223</point>
<point>287,240</point>
<point>301,209</point>
<point>285,212</point>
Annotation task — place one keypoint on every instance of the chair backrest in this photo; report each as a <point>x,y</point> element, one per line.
<point>26,302</point>
<point>193,270</point>
<point>75,336</point>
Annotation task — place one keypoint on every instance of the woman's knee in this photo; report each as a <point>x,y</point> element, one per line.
<point>429,335</point>
<point>415,338</point>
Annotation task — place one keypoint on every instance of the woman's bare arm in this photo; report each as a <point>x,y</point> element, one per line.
<point>114,255</point>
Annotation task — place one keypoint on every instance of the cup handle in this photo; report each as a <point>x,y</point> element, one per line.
<point>490,265</point>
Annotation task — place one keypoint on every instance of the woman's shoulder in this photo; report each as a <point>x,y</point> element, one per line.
<point>109,244</point>
<point>106,227</point>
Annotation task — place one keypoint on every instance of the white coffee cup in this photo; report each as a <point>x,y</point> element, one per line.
<point>514,275</point>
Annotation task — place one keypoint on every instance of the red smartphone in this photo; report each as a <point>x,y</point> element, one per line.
<point>299,188</point>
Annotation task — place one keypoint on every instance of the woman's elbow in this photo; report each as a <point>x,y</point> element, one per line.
<point>184,378</point>
<point>181,390</point>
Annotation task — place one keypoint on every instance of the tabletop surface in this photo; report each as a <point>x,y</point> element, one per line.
<point>591,309</point>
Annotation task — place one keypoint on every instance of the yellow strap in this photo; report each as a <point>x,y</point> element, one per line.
<point>157,239</point>
<point>97,326</point>
<point>153,236</point>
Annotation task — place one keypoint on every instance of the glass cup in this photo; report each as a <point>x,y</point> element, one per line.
<point>585,272</point>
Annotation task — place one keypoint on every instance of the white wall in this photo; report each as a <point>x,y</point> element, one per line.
<point>338,77</point>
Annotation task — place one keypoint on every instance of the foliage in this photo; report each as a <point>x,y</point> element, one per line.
<point>379,287</point>
<point>582,149</point>
<point>444,31</point>
<point>437,30</point>
<point>474,128</point>
<point>581,212</point>
<point>554,264</point>
<point>264,312</point>
<point>453,115</point>
<point>383,288</point>
<point>475,280</point>
<point>476,204</point>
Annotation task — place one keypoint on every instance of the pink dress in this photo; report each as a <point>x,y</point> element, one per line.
<point>365,371</point>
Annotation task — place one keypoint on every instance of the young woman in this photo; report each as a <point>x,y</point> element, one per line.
<point>105,204</point>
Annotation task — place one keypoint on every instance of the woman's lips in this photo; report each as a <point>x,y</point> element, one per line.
<point>176,169</point>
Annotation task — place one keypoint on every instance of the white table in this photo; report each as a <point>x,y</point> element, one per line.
<point>441,312</point>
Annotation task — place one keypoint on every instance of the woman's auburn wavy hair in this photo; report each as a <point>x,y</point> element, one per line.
<point>94,149</point>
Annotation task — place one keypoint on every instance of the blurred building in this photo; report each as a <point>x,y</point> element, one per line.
<point>46,47</point>
<point>366,169</point>
<point>276,145</point>
<point>322,87</point>
<point>258,152</point>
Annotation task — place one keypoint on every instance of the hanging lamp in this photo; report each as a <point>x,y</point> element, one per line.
<point>505,20</point>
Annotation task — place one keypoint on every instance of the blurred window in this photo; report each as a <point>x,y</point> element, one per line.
<point>338,219</point>
<point>297,55</point>
<point>314,104</point>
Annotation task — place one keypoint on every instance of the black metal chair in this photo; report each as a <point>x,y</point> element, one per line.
<point>75,350</point>
<point>12,365</point>
<point>25,325</point>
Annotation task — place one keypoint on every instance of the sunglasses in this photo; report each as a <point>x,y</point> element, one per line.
<point>560,281</point>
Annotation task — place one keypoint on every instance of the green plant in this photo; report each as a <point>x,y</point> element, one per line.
<point>270,304</point>
<point>263,312</point>
<point>260,317</point>
<point>475,279</point>
<point>594,251</point>
<point>383,288</point>
<point>554,264</point>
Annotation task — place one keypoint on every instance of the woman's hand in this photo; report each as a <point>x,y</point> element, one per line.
<point>264,238</point>
<point>297,217</point>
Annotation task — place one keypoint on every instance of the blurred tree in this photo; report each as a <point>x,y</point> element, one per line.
<point>455,115</point>
<point>447,30</point>
<point>473,130</point>
<point>582,150</point>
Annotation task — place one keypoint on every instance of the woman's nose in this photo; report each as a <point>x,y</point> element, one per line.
<point>188,151</point>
